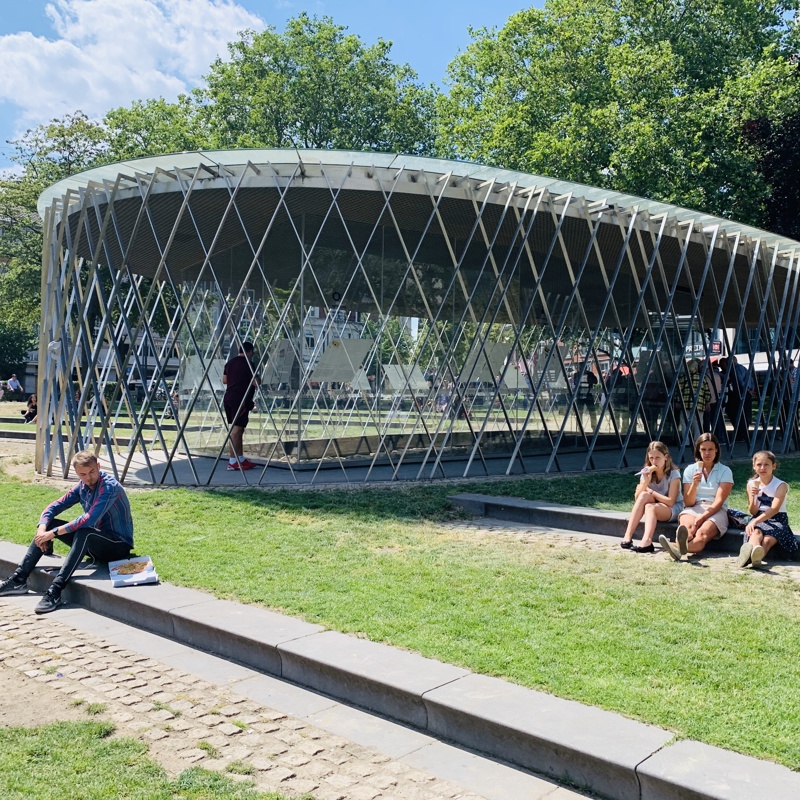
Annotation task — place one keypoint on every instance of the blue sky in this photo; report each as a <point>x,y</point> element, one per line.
<point>58,56</point>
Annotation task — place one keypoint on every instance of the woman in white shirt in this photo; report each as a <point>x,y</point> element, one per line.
<point>707,485</point>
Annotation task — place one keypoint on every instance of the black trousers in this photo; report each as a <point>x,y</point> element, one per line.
<point>101,545</point>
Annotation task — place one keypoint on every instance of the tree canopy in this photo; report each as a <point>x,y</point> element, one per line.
<point>650,98</point>
<point>695,102</point>
<point>316,86</point>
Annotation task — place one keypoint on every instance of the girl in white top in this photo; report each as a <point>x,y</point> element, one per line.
<point>706,487</point>
<point>770,523</point>
<point>658,497</point>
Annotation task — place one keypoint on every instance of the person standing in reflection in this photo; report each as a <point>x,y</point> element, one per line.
<point>741,391</point>
<point>241,381</point>
<point>713,423</point>
<point>691,389</point>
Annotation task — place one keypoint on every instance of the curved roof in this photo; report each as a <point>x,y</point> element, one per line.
<point>143,168</point>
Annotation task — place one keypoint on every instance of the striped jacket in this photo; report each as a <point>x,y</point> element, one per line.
<point>105,507</point>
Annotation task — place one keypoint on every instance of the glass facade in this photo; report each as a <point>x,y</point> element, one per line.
<point>412,319</point>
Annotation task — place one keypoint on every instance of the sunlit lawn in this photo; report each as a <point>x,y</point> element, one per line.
<point>712,654</point>
<point>80,760</point>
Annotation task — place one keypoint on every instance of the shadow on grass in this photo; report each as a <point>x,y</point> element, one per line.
<point>605,490</point>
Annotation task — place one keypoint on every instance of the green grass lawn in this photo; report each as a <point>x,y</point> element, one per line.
<point>78,759</point>
<point>712,654</point>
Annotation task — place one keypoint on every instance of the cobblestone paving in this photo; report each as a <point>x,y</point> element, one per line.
<point>187,721</point>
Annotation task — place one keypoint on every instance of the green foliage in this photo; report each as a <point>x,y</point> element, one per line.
<point>15,342</point>
<point>60,148</point>
<point>639,97</point>
<point>152,127</point>
<point>316,86</point>
<point>20,300</point>
<point>394,342</point>
<point>20,226</point>
<point>436,339</point>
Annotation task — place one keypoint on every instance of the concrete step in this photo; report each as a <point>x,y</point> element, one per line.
<point>167,426</point>
<point>574,518</point>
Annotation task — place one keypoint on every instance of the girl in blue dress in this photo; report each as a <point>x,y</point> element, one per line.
<point>770,523</point>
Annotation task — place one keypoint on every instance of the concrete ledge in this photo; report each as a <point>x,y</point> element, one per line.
<point>586,747</point>
<point>602,752</point>
<point>539,512</point>
<point>572,518</point>
<point>17,434</point>
<point>150,607</point>
<point>693,771</point>
<point>370,675</point>
<point>253,634</point>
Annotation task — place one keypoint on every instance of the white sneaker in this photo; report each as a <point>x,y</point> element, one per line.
<point>745,553</point>
<point>665,543</point>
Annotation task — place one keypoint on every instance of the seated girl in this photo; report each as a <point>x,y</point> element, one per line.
<point>769,524</point>
<point>658,497</point>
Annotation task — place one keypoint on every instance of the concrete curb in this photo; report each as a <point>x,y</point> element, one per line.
<point>571,518</point>
<point>589,748</point>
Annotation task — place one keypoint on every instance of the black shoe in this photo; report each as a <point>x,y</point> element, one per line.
<point>647,548</point>
<point>11,586</point>
<point>626,545</point>
<point>49,602</point>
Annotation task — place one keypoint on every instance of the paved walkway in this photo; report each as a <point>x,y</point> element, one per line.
<point>196,709</point>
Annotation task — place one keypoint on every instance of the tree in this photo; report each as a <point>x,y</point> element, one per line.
<point>15,342</point>
<point>59,148</point>
<point>152,127</point>
<point>46,153</point>
<point>634,96</point>
<point>316,86</point>
<point>772,137</point>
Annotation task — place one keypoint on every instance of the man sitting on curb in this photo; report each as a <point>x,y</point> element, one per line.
<point>104,531</point>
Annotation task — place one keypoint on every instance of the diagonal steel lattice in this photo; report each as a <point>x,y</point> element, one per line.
<point>413,319</point>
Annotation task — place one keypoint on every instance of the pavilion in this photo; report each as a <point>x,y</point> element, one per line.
<point>413,318</point>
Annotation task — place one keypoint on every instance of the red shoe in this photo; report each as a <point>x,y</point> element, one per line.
<point>233,467</point>
<point>247,464</point>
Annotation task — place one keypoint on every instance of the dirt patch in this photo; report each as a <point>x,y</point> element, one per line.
<point>28,703</point>
<point>17,460</point>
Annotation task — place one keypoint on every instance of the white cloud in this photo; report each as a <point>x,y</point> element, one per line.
<point>107,53</point>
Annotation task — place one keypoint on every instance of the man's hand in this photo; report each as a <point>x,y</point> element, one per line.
<point>43,536</point>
